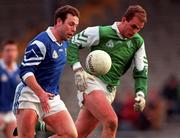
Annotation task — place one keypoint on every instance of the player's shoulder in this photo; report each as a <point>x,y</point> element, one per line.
<point>106,27</point>
<point>43,37</point>
<point>107,31</point>
<point>91,29</point>
<point>97,28</point>
<point>138,37</point>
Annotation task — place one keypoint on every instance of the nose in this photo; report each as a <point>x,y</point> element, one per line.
<point>74,29</point>
<point>136,31</point>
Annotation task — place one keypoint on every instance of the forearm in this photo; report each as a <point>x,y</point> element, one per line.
<point>140,78</point>
<point>32,83</point>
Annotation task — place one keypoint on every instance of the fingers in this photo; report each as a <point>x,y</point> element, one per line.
<point>90,77</point>
<point>81,81</point>
<point>137,99</point>
<point>84,82</point>
<point>45,106</point>
<point>81,85</point>
<point>139,104</point>
<point>81,78</point>
<point>51,96</point>
<point>45,101</point>
<point>137,107</point>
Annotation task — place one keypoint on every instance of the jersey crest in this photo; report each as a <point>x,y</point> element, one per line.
<point>54,55</point>
<point>129,44</point>
<point>4,78</point>
<point>110,44</point>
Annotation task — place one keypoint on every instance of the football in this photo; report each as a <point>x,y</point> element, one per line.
<point>98,62</point>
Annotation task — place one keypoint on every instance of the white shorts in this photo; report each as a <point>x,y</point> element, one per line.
<point>7,117</point>
<point>97,84</point>
<point>25,98</point>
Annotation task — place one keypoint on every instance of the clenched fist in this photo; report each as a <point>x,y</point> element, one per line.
<point>140,102</point>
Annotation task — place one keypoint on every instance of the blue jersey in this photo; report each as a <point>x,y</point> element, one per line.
<point>45,59</point>
<point>8,83</point>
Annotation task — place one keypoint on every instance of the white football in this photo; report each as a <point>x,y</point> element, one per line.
<point>98,62</point>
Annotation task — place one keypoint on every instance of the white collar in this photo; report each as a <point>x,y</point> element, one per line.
<point>50,34</point>
<point>3,65</point>
<point>115,27</point>
<point>52,37</point>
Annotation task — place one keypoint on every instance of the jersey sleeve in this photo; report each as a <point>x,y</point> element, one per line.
<point>34,55</point>
<point>140,72</point>
<point>87,38</point>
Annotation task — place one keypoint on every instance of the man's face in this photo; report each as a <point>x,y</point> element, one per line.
<point>10,53</point>
<point>130,28</point>
<point>68,27</point>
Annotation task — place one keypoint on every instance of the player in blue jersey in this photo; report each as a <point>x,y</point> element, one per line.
<point>37,96</point>
<point>9,79</point>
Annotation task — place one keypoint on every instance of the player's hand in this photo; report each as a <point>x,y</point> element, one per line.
<point>140,102</point>
<point>44,97</point>
<point>81,78</point>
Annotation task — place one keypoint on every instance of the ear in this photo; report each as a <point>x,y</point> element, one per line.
<point>123,19</point>
<point>58,21</point>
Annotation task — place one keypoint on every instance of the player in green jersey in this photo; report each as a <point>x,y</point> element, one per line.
<point>96,93</point>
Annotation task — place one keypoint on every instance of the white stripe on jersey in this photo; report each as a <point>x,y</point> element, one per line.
<point>139,58</point>
<point>41,46</point>
<point>27,75</point>
<point>30,64</point>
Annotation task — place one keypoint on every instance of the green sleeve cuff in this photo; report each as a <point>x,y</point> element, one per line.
<point>140,78</point>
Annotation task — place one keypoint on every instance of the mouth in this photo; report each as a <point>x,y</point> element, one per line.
<point>69,35</point>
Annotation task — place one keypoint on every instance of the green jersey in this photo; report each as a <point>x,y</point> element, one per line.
<point>123,51</point>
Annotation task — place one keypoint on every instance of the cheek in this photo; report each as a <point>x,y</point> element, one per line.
<point>66,30</point>
<point>129,29</point>
<point>69,28</point>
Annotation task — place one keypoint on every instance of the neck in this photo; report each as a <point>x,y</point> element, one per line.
<point>56,34</point>
<point>9,65</point>
<point>120,28</point>
<point>119,25</point>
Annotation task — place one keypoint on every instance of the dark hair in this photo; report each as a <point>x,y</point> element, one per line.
<point>135,11</point>
<point>63,11</point>
<point>7,42</point>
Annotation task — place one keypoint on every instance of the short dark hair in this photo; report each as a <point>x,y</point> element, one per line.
<point>7,42</point>
<point>136,11</point>
<point>63,11</point>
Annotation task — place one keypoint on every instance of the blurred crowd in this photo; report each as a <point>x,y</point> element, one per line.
<point>162,106</point>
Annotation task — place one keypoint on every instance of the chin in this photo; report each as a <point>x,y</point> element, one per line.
<point>67,39</point>
<point>130,36</point>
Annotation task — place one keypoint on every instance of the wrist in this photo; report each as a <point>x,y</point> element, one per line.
<point>140,94</point>
<point>77,66</point>
<point>78,69</point>
<point>39,92</point>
